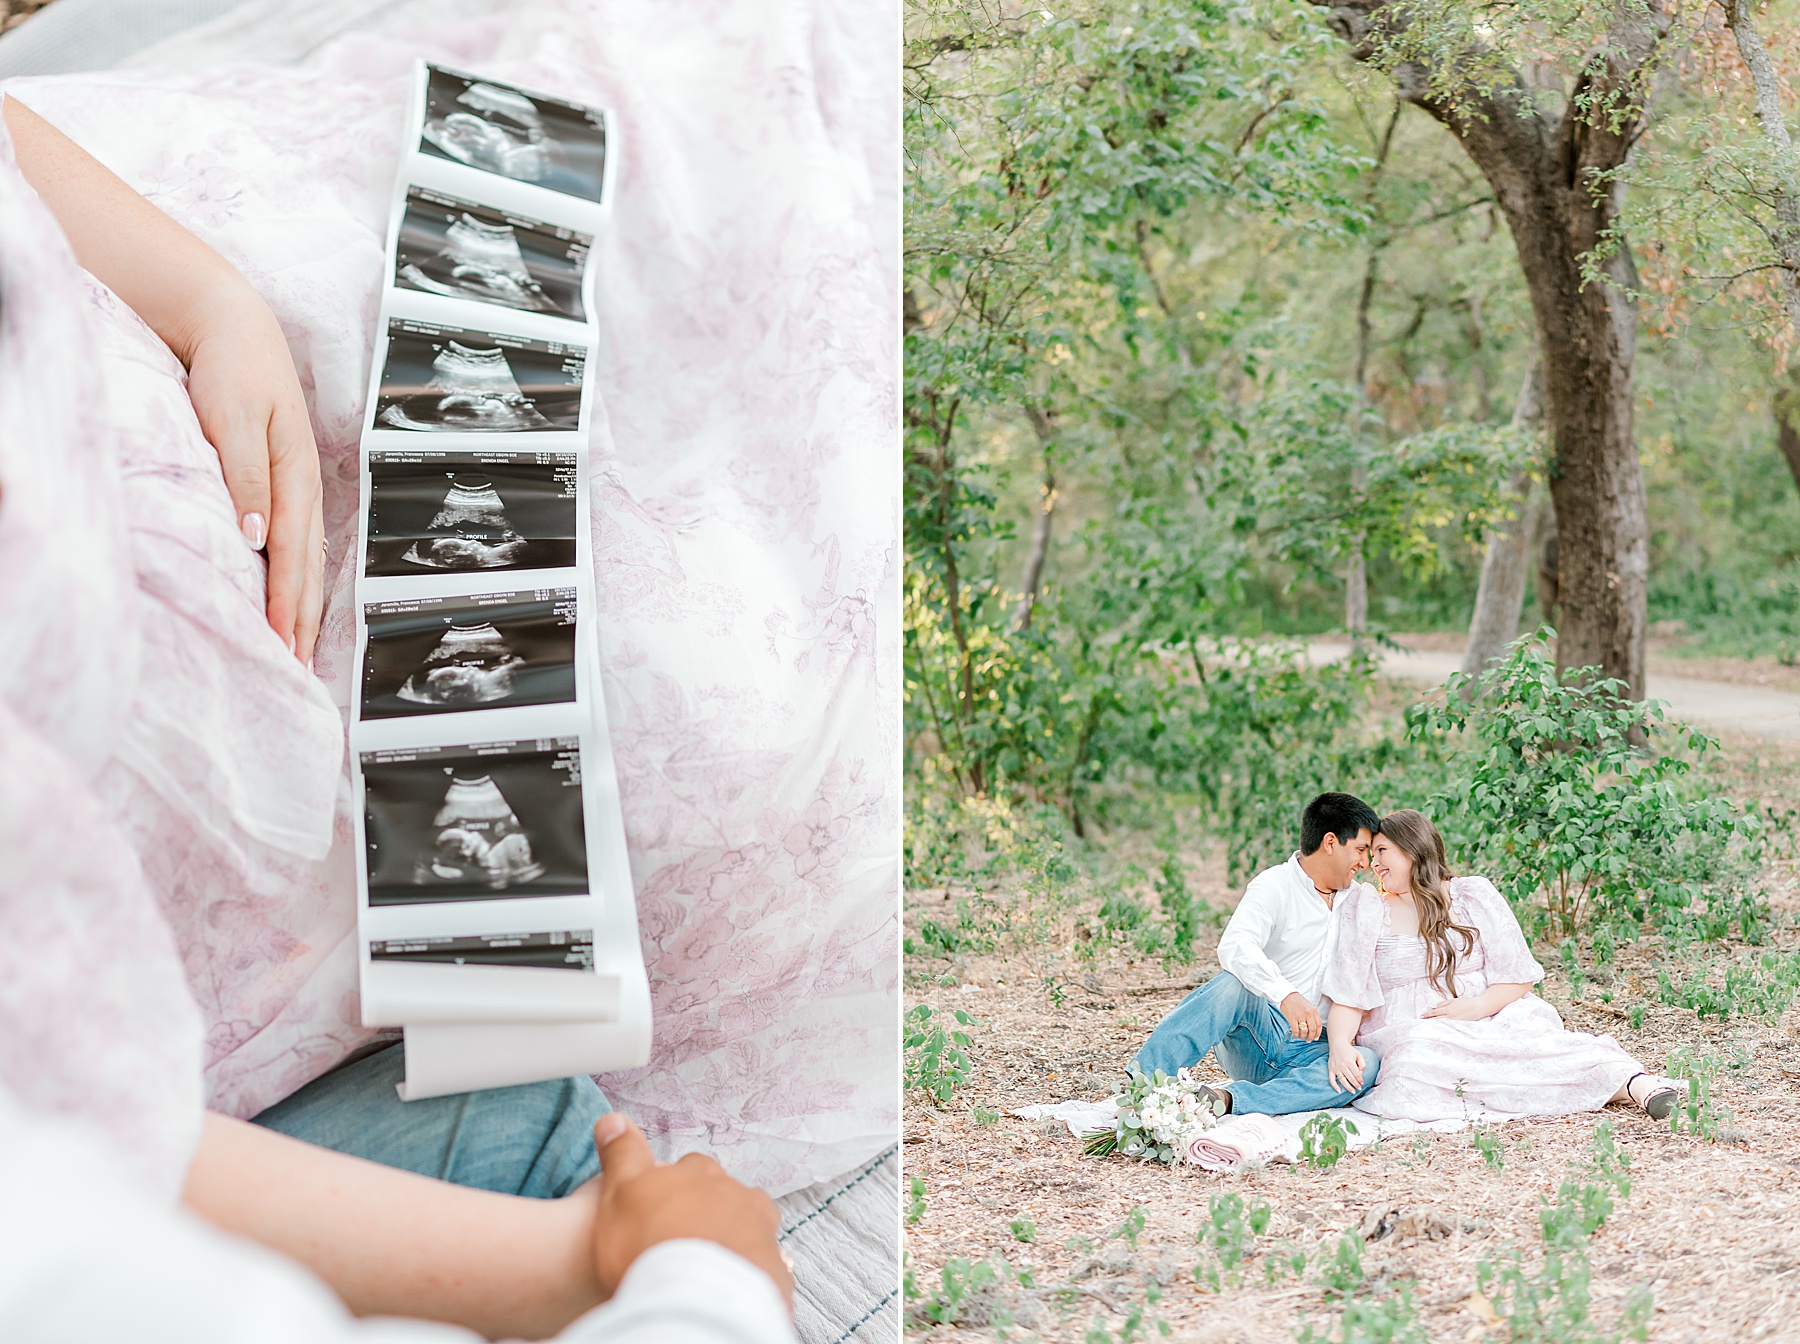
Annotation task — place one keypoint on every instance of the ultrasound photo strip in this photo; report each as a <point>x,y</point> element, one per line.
<point>496,822</point>
<point>438,379</point>
<point>529,137</point>
<point>453,654</point>
<point>463,250</point>
<point>466,512</point>
<point>472,461</point>
<point>569,949</point>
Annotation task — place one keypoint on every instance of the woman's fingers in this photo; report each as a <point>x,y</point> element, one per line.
<point>296,532</point>
<point>242,442</point>
<point>312,600</point>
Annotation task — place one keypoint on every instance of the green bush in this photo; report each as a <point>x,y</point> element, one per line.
<point>1553,793</point>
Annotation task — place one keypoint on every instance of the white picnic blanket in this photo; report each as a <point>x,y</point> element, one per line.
<point>1255,1135</point>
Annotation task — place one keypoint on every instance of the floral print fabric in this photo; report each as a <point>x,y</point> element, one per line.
<point>1521,1061</point>
<point>96,1024</point>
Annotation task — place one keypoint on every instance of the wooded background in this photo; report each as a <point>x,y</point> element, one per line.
<point>1231,320</point>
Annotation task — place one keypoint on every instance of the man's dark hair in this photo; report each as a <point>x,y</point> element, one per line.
<point>1339,814</point>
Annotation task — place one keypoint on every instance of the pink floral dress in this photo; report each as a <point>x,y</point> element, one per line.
<point>1521,1061</point>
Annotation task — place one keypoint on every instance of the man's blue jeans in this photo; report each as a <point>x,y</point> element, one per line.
<point>1272,1073</point>
<point>535,1140</point>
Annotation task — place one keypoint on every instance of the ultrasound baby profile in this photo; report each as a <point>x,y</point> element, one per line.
<point>500,132</point>
<point>468,390</point>
<point>483,261</point>
<point>471,665</point>
<point>479,534</point>
<point>479,839</point>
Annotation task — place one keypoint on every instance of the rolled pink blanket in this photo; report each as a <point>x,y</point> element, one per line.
<point>1236,1140</point>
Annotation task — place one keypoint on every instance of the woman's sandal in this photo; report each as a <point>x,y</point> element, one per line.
<point>1656,1102</point>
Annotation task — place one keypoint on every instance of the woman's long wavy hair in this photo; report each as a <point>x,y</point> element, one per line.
<point>1419,840</point>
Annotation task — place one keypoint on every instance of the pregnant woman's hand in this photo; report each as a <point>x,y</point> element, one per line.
<point>247,397</point>
<point>241,377</point>
<point>1469,1008</point>
<point>1345,1069</point>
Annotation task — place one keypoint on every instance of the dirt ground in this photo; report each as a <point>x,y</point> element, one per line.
<point>1712,1228</point>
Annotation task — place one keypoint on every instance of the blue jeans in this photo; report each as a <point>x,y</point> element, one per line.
<point>1272,1073</point>
<point>536,1140</point>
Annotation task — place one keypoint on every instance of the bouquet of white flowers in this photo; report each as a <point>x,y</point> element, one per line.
<point>1156,1120</point>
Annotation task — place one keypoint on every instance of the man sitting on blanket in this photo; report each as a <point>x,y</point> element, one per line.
<point>1260,1015</point>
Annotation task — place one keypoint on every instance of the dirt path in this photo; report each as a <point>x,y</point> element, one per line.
<point>1720,706</point>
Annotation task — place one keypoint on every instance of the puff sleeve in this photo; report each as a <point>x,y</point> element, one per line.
<point>1350,969</point>
<point>1506,957</point>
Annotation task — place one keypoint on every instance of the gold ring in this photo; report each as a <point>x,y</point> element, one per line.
<point>325,545</point>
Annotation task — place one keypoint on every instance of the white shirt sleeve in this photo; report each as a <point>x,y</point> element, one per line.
<point>1252,926</point>
<point>87,1259</point>
<point>688,1292</point>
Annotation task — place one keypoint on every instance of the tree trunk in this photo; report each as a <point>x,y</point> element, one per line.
<point>1786,234</point>
<point>1356,574</point>
<point>1044,423</point>
<point>1500,596</point>
<point>1542,172</point>
<point>1787,421</point>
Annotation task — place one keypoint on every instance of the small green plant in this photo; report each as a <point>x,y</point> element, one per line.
<point>1120,912</point>
<point>1342,1272</point>
<point>1131,1228</point>
<point>1636,1016</point>
<point>1698,1113</point>
<point>961,1280</point>
<point>1284,1260</point>
<point>1571,960</point>
<point>1023,1229</point>
<point>1493,1152</point>
<point>1607,1161</point>
<point>1371,1320</point>
<point>981,1115</point>
<point>1183,916</point>
<point>1554,1305</point>
<point>937,1060</point>
<point>1324,1139</point>
<point>1229,1234</point>
<point>1421,1146</point>
<point>915,1199</point>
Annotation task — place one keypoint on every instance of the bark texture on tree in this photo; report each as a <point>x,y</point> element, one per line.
<point>1500,596</point>
<point>1043,422</point>
<point>1542,171</point>
<point>1785,236</point>
<point>1787,421</point>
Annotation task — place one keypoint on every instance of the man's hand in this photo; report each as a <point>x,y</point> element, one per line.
<point>643,1203</point>
<point>1345,1069</point>
<point>1469,1008</point>
<point>1303,1018</point>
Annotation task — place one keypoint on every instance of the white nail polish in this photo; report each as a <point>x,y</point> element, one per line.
<point>256,530</point>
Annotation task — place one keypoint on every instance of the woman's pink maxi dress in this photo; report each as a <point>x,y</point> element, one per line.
<point>1520,1061</point>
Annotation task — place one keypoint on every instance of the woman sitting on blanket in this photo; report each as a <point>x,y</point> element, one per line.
<point>1433,972</point>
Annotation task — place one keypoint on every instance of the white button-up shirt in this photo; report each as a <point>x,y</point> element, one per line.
<point>1280,935</point>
